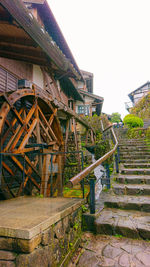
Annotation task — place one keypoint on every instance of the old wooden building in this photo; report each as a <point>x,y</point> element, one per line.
<point>38,79</point>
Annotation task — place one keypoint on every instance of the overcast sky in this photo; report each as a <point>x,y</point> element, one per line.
<point>111,39</point>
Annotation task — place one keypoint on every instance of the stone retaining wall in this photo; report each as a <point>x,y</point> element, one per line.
<point>54,247</point>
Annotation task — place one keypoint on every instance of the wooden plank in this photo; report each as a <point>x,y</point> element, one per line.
<point>38,134</point>
<point>92,137</point>
<point>45,130</point>
<point>76,143</point>
<point>12,124</point>
<point>21,168</point>
<point>21,130</point>
<point>52,117</point>
<point>3,114</point>
<point>59,176</point>
<point>7,168</point>
<point>46,172</point>
<point>27,136</point>
<point>32,166</point>
<point>47,124</point>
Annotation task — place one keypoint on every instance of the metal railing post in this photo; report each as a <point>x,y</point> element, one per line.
<point>92,196</point>
<point>82,182</point>
<point>117,163</point>
<point>118,153</point>
<point>108,175</point>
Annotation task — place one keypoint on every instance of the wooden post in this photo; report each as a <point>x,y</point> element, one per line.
<point>92,137</point>
<point>59,176</point>
<point>76,143</point>
<point>86,140</point>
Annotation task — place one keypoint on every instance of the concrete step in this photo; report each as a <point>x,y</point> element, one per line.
<point>136,165</point>
<point>133,179</point>
<point>135,171</point>
<point>131,189</point>
<point>131,224</point>
<point>141,203</point>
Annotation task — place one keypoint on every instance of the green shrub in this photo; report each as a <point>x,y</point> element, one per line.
<point>132,121</point>
<point>148,133</point>
<point>135,133</point>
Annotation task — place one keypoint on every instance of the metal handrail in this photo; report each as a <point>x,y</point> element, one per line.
<point>77,178</point>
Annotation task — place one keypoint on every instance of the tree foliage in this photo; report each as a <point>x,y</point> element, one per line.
<point>115,117</point>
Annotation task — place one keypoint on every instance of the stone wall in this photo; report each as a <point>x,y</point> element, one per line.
<point>55,245</point>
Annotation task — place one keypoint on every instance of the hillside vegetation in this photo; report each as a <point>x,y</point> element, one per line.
<point>142,108</point>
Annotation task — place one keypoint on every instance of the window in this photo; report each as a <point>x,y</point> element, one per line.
<point>83,110</point>
<point>8,82</point>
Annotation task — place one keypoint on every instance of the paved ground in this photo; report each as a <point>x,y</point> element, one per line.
<point>111,251</point>
<point>26,217</point>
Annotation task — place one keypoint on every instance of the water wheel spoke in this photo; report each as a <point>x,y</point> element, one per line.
<point>27,120</point>
<point>48,126</point>
<point>12,124</point>
<point>22,169</point>
<point>45,131</point>
<point>52,117</point>
<point>27,136</point>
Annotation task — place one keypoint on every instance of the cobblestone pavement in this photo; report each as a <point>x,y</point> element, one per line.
<point>111,251</point>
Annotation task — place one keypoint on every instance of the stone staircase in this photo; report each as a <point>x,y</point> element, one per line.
<point>127,205</point>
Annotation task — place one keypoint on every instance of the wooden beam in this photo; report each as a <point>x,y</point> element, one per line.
<point>47,124</point>
<point>76,143</point>
<point>45,130</point>
<point>27,136</point>
<point>21,168</point>
<point>17,40</point>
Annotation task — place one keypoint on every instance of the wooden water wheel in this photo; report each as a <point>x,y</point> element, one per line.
<point>27,123</point>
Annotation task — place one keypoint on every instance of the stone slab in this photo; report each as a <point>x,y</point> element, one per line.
<point>131,189</point>
<point>132,224</point>
<point>133,179</point>
<point>141,203</point>
<point>110,251</point>
<point>27,217</point>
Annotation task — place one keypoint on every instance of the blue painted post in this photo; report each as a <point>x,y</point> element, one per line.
<point>118,153</point>
<point>92,196</point>
<point>117,165</point>
<point>108,175</point>
<point>82,182</point>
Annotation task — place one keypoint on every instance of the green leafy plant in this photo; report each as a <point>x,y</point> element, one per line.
<point>132,121</point>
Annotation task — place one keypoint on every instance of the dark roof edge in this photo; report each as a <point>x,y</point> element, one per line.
<point>26,20</point>
<point>91,95</point>
<point>129,95</point>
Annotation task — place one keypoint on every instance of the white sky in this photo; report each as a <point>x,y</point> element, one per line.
<point>111,39</point>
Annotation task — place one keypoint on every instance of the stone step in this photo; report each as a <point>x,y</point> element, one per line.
<point>133,179</point>
<point>127,160</point>
<point>141,203</point>
<point>135,171</point>
<point>136,165</point>
<point>134,156</point>
<point>135,148</point>
<point>132,144</point>
<point>139,153</point>
<point>131,189</point>
<point>131,224</point>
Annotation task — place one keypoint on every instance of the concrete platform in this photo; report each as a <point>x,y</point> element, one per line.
<point>27,217</point>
